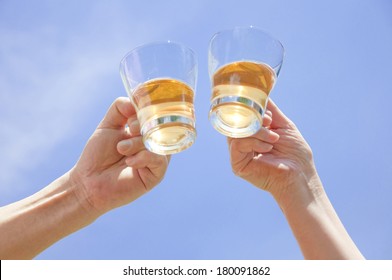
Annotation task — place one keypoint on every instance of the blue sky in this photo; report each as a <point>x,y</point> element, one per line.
<point>59,73</point>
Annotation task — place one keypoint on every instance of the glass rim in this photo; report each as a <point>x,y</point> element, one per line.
<point>252,27</point>
<point>158,43</point>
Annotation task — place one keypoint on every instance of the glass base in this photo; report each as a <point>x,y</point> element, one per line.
<point>168,134</point>
<point>236,116</point>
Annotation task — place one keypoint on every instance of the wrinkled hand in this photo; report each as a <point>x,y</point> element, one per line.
<point>115,168</point>
<point>275,157</point>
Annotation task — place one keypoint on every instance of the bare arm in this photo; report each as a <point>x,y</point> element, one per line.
<point>29,226</point>
<point>113,170</point>
<point>314,222</point>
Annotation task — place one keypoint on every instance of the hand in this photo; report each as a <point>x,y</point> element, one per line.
<point>115,168</point>
<point>278,159</point>
<point>275,157</point>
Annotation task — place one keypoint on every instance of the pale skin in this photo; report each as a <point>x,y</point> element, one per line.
<point>278,160</point>
<point>114,169</point>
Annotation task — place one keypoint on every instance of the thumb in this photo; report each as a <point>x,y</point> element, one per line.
<point>118,114</point>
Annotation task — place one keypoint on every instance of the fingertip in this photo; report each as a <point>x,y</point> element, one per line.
<point>118,113</point>
<point>130,146</point>
<point>125,106</point>
<point>267,135</point>
<point>148,159</point>
<point>273,136</point>
<point>134,127</point>
<point>124,145</point>
<point>263,147</point>
<point>267,119</point>
<point>268,113</point>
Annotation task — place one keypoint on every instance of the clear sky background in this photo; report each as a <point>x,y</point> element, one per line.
<point>59,74</point>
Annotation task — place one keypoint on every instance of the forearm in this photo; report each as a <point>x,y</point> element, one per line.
<point>29,226</point>
<point>314,222</point>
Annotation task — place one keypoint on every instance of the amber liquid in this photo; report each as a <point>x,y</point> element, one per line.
<point>162,105</point>
<point>250,80</point>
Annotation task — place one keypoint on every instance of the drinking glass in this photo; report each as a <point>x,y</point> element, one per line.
<point>243,65</point>
<point>160,79</point>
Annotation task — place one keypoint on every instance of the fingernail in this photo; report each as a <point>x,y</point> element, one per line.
<point>134,125</point>
<point>124,145</point>
<point>274,136</point>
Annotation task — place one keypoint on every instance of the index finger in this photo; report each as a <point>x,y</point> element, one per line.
<point>118,114</point>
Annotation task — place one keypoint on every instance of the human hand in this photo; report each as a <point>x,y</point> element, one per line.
<point>115,168</point>
<point>275,157</point>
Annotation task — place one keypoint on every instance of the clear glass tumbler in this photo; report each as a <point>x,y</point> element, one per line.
<point>160,79</point>
<point>243,65</point>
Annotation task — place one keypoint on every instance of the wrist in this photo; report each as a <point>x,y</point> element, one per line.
<point>33,224</point>
<point>82,197</point>
<point>313,220</point>
<point>303,189</point>
<point>66,193</point>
